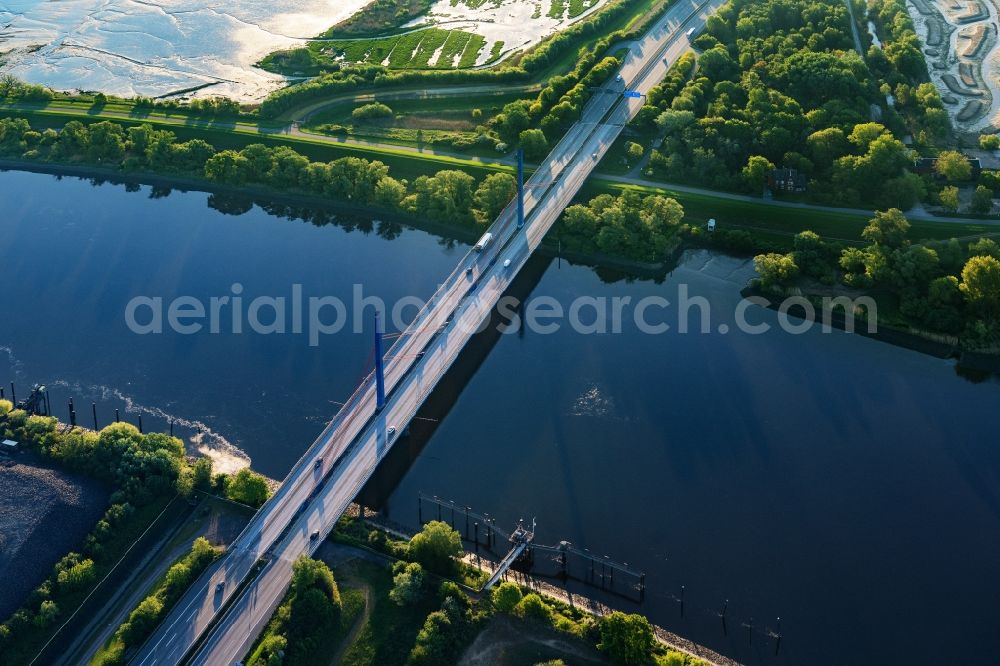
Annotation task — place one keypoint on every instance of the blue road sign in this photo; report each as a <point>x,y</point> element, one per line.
<point>633,93</point>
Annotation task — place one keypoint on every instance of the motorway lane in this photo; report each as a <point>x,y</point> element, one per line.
<point>556,183</point>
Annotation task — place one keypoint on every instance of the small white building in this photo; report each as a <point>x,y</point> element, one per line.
<point>711,224</point>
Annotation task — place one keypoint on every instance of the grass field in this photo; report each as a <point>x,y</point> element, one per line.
<point>431,48</point>
<point>569,8</point>
<point>391,630</point>
<point>449,123</point>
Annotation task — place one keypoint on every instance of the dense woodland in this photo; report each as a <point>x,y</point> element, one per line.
<point>779,83</point>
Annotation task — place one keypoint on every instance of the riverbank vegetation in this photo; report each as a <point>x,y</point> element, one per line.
<point>629,225</point>
<point>449,196</point>
<point>166,592</point>
<point>416,617</point>
<point>147,471</point>
<point>949,290</point>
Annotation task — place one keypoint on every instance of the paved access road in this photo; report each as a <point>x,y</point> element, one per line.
<point>227,608</point>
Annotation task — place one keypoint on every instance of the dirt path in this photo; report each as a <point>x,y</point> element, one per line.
<point>359,623</point>
<point>494,643</point>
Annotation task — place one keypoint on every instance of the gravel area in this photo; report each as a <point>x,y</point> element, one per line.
<point>44,514</point>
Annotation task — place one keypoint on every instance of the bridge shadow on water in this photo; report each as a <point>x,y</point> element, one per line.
<point>394,466</point>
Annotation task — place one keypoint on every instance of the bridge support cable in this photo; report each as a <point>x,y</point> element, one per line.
<point>520,188</point>
<point>379,366</point>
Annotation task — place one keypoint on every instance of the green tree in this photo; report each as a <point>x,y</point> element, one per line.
<point>914,267</point>
<point>48,611</point>
<point>716,64</point>
<point>989,142</point>
<point>436,641</point>
<point>901,192</point>
<point>945,301</point>
<point>492,195</point>
<point>373,111</point>
<point>203,473</point>
<point>864,134</point>
<point>984,247</point>
<point>142,620</point>
<point>107,141</point>
<point>755,172</point>
<point>982,200</point>
<point>389,192</point>
<point>534,143</point>
<point>271,651</point>
<point>308,573</point>
<point>628,639</point>
<point>202,554</point>
<point>981,284</point>
<point>248,487</point>
<point>634,150</point>
<point>310,611</point>
<point>811,254</point>
<point>407,583</point>
<point>887,228</point>
<point>580,220</point>
<point>227,166</point>
<point>673,121</point>
<point>78,576</point>
<point>775,270</point>
<point>506,596</point>
<point>953,166</point>
<point>185,482</point>
<point>949,198</point>
<point>512,122</point>
<point>436,546</point>
<point>826,145</point>
<point>447,196</point>
<point>945,291</point>
<point>533,606</point>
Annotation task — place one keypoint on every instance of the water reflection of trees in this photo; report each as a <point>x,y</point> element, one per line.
<point>231,203</point>
<point>315,213</point>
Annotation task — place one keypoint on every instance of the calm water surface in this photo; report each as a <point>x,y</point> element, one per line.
<point>847,486</point>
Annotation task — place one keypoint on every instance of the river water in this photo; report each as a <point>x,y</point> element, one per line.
<point>844,485</point>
